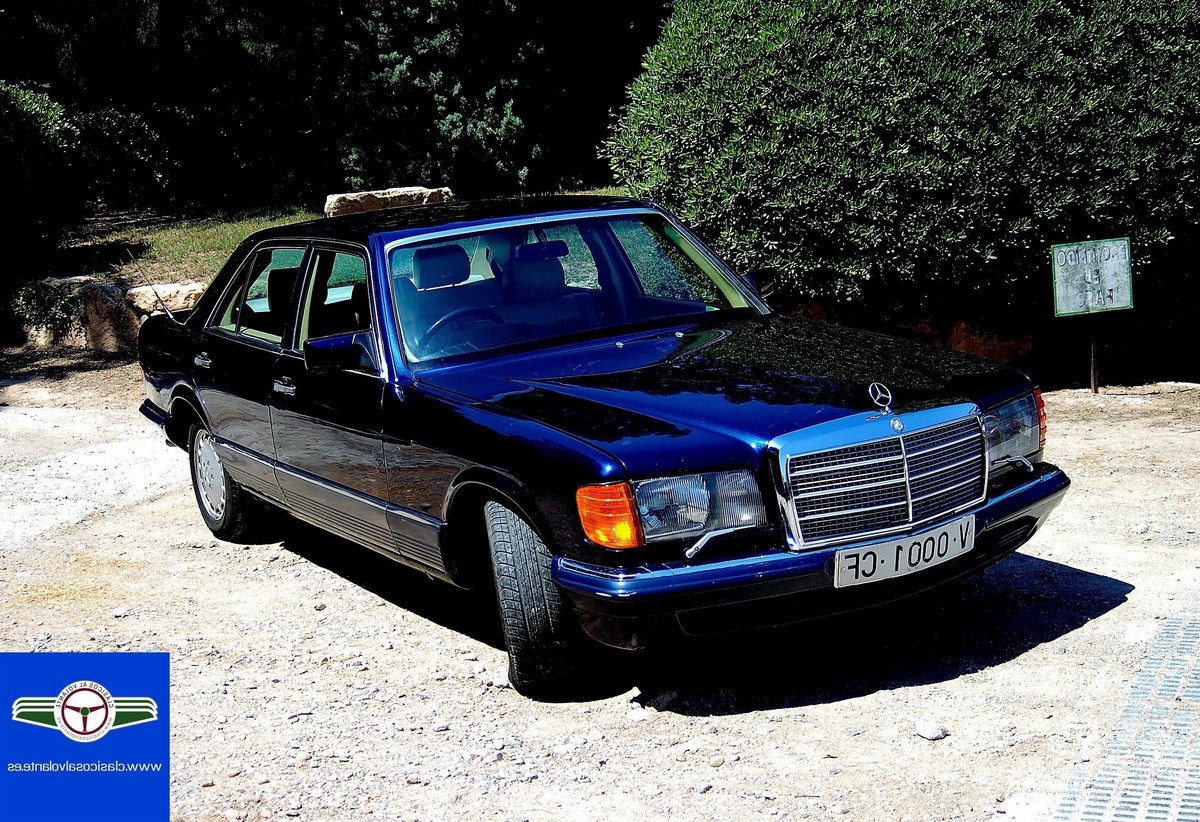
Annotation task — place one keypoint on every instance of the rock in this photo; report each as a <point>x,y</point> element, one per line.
<point>717,761</point>
<point>837,810</point>
<point>353,203</point>
<point>109,324</point>
<point>1140,528</point>
<point>175,296</point>
<point>927,729</point>
<point>413,779</point>
<point>318,606</point>
<point>120,613</point>
<point>703,788</point>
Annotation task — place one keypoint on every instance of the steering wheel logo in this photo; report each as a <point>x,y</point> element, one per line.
<point>84,711</point>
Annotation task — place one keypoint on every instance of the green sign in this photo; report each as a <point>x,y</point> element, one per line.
<point>1091,276</point>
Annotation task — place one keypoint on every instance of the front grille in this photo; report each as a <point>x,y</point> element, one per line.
<point>859,490</point>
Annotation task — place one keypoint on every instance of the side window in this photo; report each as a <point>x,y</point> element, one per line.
<point>335,299</point>
<point>578,264</point>
<point>261,303</point>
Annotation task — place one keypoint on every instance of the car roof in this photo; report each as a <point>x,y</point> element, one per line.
<point>417,218</point>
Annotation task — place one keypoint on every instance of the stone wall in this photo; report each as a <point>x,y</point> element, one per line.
<point>111,315</point>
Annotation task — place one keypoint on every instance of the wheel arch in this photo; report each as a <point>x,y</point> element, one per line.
<point>186,411</point>
<point>464,542</point>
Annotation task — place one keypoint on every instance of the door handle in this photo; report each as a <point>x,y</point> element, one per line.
<point>202,360</point>
<point>285,386</point>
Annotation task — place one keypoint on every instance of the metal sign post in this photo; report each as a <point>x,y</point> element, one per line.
<point>1091,277</point>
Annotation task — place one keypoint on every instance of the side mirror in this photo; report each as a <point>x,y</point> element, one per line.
<point>343,352</point>
<point>763,281</point>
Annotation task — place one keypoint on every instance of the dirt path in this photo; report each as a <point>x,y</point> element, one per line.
<point>333,685</point>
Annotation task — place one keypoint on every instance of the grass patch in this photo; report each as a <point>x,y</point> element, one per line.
<point>168,250</point>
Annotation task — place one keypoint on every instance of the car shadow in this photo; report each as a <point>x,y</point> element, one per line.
<point>964,627</point>
<point>471,613</point>
<point>967,626</point>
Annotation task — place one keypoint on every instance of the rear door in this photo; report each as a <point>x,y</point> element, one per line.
<point>327,422</point>
<point>236,359</point>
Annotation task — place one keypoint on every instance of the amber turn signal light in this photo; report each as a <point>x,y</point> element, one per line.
<point>608,515</point>
<point>1041,409</point>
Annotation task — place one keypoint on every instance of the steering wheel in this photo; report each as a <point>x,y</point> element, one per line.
<point>457,315</point>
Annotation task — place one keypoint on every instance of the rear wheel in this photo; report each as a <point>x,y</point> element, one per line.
<point>229,511</point>
<point>537,624</point>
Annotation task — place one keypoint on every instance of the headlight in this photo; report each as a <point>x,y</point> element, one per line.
<point>687,506</point>
<point>1013,430</point>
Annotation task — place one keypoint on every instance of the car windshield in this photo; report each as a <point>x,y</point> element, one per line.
<point>507,285</point>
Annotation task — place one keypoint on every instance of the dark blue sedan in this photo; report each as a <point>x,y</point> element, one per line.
<point>575,401</point>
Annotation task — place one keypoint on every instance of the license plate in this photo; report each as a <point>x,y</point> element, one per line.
<point>887,560</point>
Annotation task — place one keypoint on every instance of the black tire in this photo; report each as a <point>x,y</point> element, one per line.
<point>239,515</point>
<point>537,624</point>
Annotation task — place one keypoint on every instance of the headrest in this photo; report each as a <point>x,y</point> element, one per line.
<point>532,280</point>
<point>527,252</point>
<point>280,282</point>
<point>361,303</point>
<point>444,265</point>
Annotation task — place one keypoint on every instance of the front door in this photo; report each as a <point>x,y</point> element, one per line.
<point>236,360</point>
<point>327,422</point>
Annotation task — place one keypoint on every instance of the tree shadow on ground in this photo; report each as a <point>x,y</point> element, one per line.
<point>97,257</point>
<point>967,626</point>
<point>20,365</point>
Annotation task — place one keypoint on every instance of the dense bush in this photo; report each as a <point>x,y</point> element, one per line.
<point>37,141</point>
<point>917,158</point>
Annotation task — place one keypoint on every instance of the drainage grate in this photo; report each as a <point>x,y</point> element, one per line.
<point>1151,767</point>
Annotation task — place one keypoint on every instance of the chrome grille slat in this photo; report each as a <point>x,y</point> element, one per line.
<point>846,489</point>
<point>883,486</point>
<point>844,511</point>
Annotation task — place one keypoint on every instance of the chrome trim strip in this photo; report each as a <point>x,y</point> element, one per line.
<point>480,228</point>
<point>337,489</point>
<point>243,452</point>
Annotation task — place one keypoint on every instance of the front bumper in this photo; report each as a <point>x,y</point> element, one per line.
<point>775,586</point>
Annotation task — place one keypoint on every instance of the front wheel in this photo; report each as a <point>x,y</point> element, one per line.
<point>536,622</point>
<point>229,511</point>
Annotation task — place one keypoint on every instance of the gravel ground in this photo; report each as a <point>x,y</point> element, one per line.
<point>315,680</point>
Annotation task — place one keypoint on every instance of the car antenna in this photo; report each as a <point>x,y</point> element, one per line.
<point>146,281</point>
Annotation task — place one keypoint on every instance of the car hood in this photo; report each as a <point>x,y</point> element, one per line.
<point>712,393</point>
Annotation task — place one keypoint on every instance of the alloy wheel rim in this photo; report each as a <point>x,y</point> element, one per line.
<point>210,476</point>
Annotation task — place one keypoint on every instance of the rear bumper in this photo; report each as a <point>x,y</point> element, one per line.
<point>707,596</point>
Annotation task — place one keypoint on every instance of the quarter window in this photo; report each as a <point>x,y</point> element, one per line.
<point>261,303</point>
